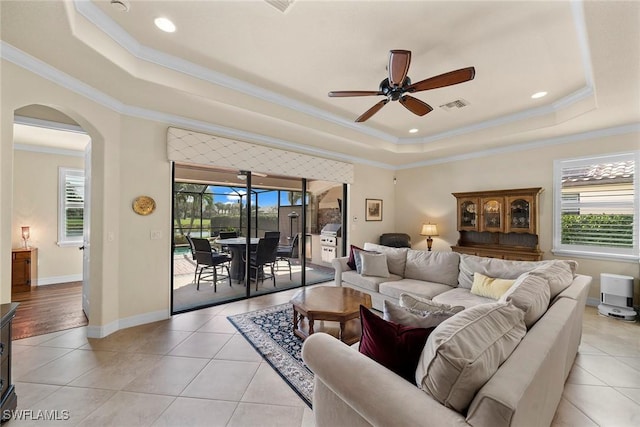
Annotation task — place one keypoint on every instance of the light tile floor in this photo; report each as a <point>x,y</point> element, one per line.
<point>196,369</point>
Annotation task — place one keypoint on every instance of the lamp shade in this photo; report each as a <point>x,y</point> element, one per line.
<point>429,230</point>
<point>26,233</point>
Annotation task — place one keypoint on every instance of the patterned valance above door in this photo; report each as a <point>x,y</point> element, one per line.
<point>204,149</point>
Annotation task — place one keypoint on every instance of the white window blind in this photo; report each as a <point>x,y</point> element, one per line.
<point>70,206</point>
<point>596,206</point>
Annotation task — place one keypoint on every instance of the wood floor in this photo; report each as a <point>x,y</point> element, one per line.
<point>48,309</point>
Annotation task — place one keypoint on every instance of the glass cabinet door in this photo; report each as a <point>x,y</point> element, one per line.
<point>520,215</point>
<point>468,214</point>
<point>492,214</point>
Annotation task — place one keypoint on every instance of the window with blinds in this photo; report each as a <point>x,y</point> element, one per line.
<point>596,206</point>
<point>70,206</point>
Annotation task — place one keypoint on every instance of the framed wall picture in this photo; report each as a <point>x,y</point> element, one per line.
<point>373,210</point>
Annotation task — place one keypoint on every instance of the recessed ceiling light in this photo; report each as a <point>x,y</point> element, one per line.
<point>165,25</point>
<point>538,95</point>
<point>414,130</point>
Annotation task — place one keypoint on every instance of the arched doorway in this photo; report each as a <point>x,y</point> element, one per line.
<point>51,186</point>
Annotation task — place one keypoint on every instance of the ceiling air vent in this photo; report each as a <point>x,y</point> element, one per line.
<point>281,5</point>
<point>453,105</point>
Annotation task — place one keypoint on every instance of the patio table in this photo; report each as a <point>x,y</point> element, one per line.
<point>237,247</point>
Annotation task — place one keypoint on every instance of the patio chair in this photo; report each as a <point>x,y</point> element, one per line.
<point>210,261</point>
<point>227,235</point>
<point>285,253</point>
<point>265,255</point>
<point>271,234</point>
<point>193,255</point>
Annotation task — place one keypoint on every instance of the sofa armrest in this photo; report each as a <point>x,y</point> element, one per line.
<point>369,391</point>
<point>340,265</point>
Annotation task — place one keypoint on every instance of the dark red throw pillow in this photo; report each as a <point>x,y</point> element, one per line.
<point>394,346</point>
<point>352,260</point>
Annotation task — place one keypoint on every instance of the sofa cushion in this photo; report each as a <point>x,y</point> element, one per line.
<point>358,258</point>
<point>558,273</point>
<point>489,287</point>
<point>394,346</point>
<point>396,257</point>
<point>352,257</point>
<point>438,267</point>
<point>461,296</point>
<point>414,318</point>
<point>464,351</point>
<point>369,283</point>
<point>374,264</point>
<point>393,288</point>
<point>492,267</point>
<point>425,304</point>
<point>530,293</point>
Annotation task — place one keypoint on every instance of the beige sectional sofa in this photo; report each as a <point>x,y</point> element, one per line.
<point>353,390</point>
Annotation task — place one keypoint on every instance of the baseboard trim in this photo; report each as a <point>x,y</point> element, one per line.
<point>52,280</point>
<point>593,302</point>
<point>127,322</point>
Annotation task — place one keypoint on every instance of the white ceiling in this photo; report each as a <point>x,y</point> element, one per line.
<point>245,70</point>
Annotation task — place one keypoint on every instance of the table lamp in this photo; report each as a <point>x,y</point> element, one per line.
<point>25,236</point>
<point>429,230</point>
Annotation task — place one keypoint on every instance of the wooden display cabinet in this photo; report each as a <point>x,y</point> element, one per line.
<point>492,214</point>
<point>504,225</point>
<point>24,269</point>
<point>468,214</point>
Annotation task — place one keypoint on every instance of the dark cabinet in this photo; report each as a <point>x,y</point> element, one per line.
<point>8,398</point>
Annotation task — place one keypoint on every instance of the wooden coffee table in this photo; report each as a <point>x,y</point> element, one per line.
<point>328,305</point>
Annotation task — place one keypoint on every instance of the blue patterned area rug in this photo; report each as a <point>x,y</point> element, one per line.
<point>269,330</point>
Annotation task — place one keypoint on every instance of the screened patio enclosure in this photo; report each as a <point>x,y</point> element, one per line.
<point>208,201</point>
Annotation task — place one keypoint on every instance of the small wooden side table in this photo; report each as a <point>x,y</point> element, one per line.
<point>329,304</point>
<point>24,269</point>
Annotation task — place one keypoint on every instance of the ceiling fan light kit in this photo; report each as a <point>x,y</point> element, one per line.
<point>398,84</point>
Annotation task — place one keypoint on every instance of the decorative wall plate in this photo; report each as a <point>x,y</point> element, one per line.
<point>144,205</point>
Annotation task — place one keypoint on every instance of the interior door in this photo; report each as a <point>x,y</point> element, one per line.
<point>86,246</point>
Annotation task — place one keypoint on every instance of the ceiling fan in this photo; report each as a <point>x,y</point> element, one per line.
<point>398,84</point>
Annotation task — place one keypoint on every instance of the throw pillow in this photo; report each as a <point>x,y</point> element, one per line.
<point>558,273</point>
<point>464,352</point>
<point>530,294</point>
<point>492,267</point>
<point>489,287</point>
<point>352,261</point>
<point>424,304</point>
<point>374,264</point>
<point>394,346</point>
<point>414,318</point>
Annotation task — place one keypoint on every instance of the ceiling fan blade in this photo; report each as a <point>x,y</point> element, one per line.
<point>399,61</point>
<point>447,79</point>
<point>371,111</point>
<point>341,93</point>
<point>415,105</point>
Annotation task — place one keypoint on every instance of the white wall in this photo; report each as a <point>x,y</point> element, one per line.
<point>370,183</point>
<point>35,203</point>
<point>424,194</point>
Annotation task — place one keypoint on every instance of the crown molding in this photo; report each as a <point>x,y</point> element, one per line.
<point>47,124</point>
<point>21,59</point>
<point>102,21</point>
<point>599,133</point>
<point>48,150</point>
<point>46,71</point>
